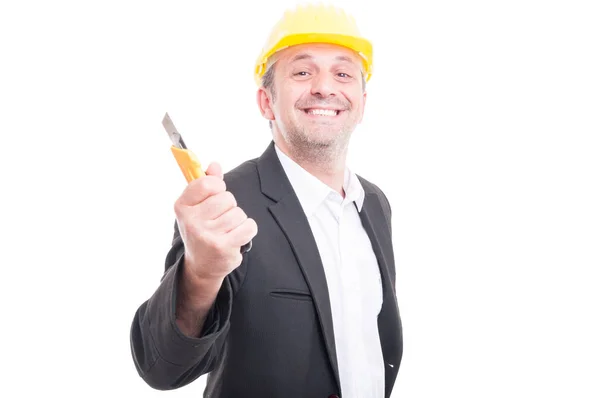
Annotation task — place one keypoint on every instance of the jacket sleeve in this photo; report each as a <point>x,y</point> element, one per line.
<point>164,357</point>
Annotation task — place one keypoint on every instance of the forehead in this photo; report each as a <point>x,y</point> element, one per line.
<point>318,52</point>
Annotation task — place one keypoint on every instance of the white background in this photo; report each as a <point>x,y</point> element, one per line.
<point>482,126</point>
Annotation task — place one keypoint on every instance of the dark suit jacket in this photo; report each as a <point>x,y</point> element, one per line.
<point>270,332</point>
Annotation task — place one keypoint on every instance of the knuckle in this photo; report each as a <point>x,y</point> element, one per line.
<point>203,184</point>
<point>237,259</point>
<point>252,226</point>
<point>210,185</point>
<point>230,199</point>
<point>188,197</point>
<point>236,218</point>
<point>238,214</point>
<point>177,207</point>
<point>181,209</point>
<point>217,184</point>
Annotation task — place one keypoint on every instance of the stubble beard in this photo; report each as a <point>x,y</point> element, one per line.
<point>321,148</point>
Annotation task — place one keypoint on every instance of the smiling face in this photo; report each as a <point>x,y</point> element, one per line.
<point>317,98</point>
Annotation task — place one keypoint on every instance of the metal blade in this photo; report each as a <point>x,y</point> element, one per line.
<point>173,133</point>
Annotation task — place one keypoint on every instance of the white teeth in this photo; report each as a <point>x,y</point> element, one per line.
<point>323,112</point>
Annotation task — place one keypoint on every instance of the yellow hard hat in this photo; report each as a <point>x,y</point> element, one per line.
<point>315,24</point>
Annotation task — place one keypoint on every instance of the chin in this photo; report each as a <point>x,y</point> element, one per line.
<point>317,134</point>
<point>333,139</point>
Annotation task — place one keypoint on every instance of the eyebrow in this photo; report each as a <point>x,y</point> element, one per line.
<point>344,58</point>
<point>301,56</point>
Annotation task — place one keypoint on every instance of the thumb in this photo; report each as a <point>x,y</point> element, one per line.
<point>214,169</point>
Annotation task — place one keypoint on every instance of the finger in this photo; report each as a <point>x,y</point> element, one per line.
<point>229,220</point>
<point>199,190</point>
<point>215,206</point>
<point>243,233</point>
<point>214,169</point>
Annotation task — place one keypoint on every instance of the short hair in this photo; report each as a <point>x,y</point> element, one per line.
<point>268,82</point>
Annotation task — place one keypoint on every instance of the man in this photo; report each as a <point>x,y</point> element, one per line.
<point>310,310</point>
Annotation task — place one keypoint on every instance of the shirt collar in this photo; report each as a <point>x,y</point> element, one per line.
<point>311,191</point>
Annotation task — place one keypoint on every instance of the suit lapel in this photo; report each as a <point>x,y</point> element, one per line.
<point>371,215</point>
<point>388,321</point>
<point>289,215</point>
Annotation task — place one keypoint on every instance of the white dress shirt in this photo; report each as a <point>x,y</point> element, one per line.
<point>352,274</point>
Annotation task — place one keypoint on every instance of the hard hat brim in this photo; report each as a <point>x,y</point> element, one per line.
<point>361,46</point>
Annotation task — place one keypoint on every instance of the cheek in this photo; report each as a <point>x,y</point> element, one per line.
<point>284,110</point>
<point>354,96</point>
<point>287,103</point>
<point>292,93</point>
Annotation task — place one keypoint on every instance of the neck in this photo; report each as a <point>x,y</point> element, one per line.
<point>325,163</point>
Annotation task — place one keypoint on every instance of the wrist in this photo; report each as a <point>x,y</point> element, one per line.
<point>198,291</point>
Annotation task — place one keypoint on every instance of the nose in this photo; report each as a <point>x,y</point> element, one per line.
<point>323,86</point>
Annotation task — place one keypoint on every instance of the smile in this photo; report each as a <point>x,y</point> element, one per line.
<point>322,112</point>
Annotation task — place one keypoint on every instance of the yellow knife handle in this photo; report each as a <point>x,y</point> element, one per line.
<point>188,163</point>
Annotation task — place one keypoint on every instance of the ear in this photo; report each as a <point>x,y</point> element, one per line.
<point>263,99</point>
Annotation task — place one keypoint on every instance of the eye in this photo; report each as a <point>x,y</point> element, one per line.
<point>342,74</point>
<point>303,73</point>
